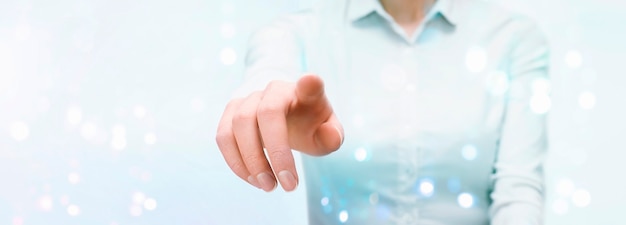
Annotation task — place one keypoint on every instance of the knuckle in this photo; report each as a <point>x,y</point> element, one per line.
<point>247,112</point>
<point>233,102</point>
<point>278,156</point>
<point>273,84</point>
<point>232,105</point>
<point>267,109</point>
<point>243,117</point>
<point>253,161</point>
<point>237,166</point>
<point>222,139</point>
<point>255,94</point>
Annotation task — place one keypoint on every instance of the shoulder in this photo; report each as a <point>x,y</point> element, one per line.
<point>480,10</point>
<point>492,20</point>
<point>487,15</point>
<point>306,22</point>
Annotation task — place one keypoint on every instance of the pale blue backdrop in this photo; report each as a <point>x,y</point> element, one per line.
<point>108,111</point>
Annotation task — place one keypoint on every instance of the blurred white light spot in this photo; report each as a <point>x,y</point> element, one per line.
<point>118,143</point>
<point>465,200</point>
<point>476,59</point>
<point>374,198</point>
<point>573,59</point>
<point>150,138</point>
<point>228,56</point>
<point>145,176</point>
<point>343,216</point>
<point>135,210</point>
<point>427,188</point>
<point>393,77</point>
<point>45,203</point>
<point>88,130</point>
<point>197,105</point>
<point>540,103</point>
<point>565,187</point>
<point>22,32</point>
<point>228,30</point>
<point>150,204</point>
<point>324,201</point>
<point>118,130</point>
<point>541,86</point>
<point>581,198</point>
<point>498,83</point>
<point>74,115</point>
<point>18,221</point>
<point>73,210</point>
<point>19,131</point>
<point>139,111</point>
<point>73,178</point>
<point>560,206</point>
<point>587,100</point>
<point>65,200</point>
<point>469,152</point>
<point>360,154</point>
<point>139,198</point>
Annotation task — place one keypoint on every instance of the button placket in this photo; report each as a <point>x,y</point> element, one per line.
<point>416,214</point>
<point>408,162</point>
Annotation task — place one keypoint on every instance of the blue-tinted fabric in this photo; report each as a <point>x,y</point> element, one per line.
<point>444,126</point>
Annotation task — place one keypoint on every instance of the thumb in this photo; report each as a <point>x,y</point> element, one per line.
<point>330,135</point>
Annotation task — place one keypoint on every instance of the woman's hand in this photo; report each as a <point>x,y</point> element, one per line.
<point>282,117</point>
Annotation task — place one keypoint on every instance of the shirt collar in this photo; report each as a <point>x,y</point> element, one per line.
<point>359,9</point>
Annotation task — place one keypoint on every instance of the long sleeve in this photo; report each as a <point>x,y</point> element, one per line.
<point>274,53</point>
<point>518,194</point>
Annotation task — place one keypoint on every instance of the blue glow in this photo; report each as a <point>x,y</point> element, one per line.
<point>382,212</point>
<point>454,185</point>
<point>328,208</point>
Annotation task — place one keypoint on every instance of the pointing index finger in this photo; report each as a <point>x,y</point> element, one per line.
<point>309,89</point>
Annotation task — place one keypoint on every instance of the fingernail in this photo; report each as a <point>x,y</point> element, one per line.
<point>254,182</point>
<point>287,180</point>
<point>340,135</point>
<point>267,182</point>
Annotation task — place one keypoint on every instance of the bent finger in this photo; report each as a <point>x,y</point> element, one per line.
<point>246,131</point>
<point>274,133</point>
<point>228,145</point>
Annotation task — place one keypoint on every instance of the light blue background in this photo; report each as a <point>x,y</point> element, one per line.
<point>108,111</point>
